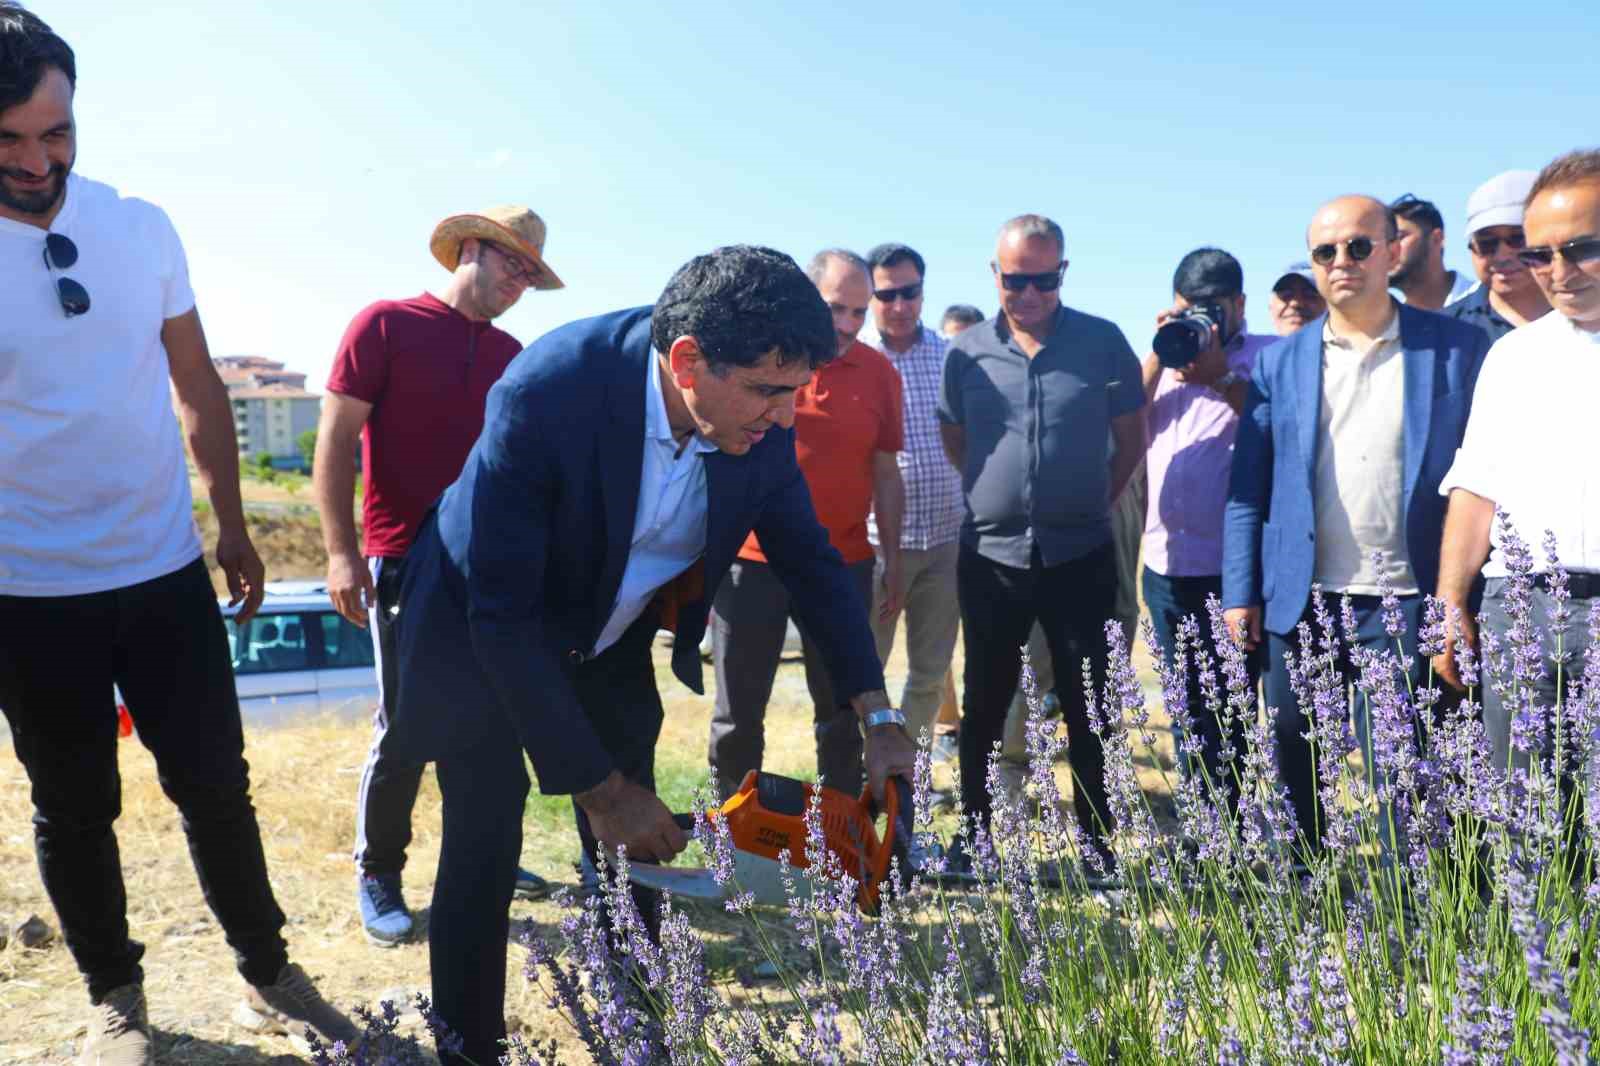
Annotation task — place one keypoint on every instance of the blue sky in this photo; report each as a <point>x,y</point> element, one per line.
<point>305,151</point>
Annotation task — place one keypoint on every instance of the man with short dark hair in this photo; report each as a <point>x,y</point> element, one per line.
<point>1419,273</point>
<point>1029,402</point>
<point>103,580</point>
<point>932,515</point>
<point>848,433</point>
<point>1193,414</point>
<point>1349,426</point>
<point>1534,410</point>
<point>958,317</point>
<point>623,461</point>
<point>1295,300</point>
<point>1507,295</point>
<point>407,387</point>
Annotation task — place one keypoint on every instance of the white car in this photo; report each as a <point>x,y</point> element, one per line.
<point>299,656</point>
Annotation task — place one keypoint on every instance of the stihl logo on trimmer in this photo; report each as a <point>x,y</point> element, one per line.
<point>769,837</point>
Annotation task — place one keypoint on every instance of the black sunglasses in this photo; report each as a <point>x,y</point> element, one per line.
<point>1487,246</point>
<point>1049,281</point>
<point>1576,253</point>
<point>1358,247</point>
<point>904,292</point>
<point>59,254</point>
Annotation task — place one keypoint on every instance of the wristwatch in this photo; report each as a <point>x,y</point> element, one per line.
<point>882,716</point>
<point>1227,381</point>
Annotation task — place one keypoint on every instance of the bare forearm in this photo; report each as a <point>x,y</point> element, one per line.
<point>1152,377</point>
<point>213,441</point>
<point>333,481</point>
<point>889,507</point>
<point>1465,547</point>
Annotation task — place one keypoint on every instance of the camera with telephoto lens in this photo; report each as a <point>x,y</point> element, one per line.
<point>1180,341</point>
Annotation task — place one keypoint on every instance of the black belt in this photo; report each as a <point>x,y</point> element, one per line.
<point>1581,584</point>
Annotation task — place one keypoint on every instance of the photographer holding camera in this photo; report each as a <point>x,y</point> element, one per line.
<point>1195,379</point>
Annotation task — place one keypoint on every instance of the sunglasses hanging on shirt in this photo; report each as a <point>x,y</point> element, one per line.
<point>59,254</point>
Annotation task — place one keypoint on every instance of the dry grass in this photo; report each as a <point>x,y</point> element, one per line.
<point>304,781</point>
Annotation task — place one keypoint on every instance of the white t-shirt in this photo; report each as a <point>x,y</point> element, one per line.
<point>94,490</point>
<point>1532,424</point>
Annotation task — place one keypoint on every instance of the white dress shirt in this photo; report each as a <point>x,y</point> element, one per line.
<point>1532,425</point>
<point>669,527</point>
<point>1360,473</point>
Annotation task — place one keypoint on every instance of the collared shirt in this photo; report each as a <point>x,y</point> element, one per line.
<point>1462,285</point>
<point>1532,424</point>
<point>1192,428</point>
<point>1360,478</point>
<point>933,487</point>
<point>843,417</point>
<point>1036,472</point>
<point>669,526</point>
<point>1476,310</point>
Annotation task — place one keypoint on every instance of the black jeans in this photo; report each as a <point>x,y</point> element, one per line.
<point>485,789</point>
<point>162,642</point>
<point>1170,600</point>
<point>388,789</point>
<point>999,605</point>
<point>749,621</point>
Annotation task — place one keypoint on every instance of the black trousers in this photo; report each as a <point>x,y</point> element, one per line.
<point>389,785</point>
<point>162,642</point>
<point>749,620</point>
<point>999,605</point>
<point>485,789</point>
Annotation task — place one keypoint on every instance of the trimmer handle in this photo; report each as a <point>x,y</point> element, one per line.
<point>896,840</point>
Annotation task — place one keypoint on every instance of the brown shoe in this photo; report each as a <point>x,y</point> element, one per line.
<point>119,1033</point>
<point>290,1006</point>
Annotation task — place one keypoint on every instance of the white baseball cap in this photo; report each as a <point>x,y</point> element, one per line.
<point>1498,201</point>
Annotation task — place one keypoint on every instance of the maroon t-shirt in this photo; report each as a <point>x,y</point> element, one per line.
<point>426,369</point>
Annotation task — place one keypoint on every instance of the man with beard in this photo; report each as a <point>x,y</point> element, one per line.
<point>408,383</point>
<point>1508,295</point>
<point>1419,275</point>
<point>848,432</point>
<point>102,577</point>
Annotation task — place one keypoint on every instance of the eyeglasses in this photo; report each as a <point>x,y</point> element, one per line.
<point>59,254</point>
<point>907,293</point>
<point>1487,246</point>
<point>1576,253</point>
<point>1358,247</point>
<point>1049,281</point>
<point>519,268</point>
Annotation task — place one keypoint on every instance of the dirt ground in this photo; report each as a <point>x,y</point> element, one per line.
<point>305,779</point>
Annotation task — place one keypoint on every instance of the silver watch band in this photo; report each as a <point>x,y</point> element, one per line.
<point>882,716</point>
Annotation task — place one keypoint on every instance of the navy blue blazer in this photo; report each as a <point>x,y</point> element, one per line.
<point>513,574</point>
<point>1269,539</point>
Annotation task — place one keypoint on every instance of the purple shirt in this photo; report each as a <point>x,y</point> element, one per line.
<point>1191,453</point>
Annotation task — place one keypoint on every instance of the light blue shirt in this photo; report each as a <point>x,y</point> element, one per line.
<point>669,528</point>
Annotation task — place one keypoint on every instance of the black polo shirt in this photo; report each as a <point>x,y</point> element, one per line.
<point>1037,468</point>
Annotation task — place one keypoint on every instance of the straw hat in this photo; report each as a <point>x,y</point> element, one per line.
<point>516,228</point>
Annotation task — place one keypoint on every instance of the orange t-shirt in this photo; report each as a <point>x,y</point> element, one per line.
<point>850,411</point>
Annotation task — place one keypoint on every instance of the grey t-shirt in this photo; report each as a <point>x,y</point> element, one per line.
<point>1037,470</point>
